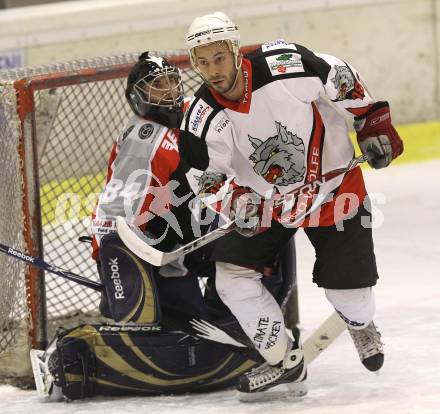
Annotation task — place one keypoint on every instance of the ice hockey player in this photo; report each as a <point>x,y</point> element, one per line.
<point>262,125</point>
<point>146,184</point>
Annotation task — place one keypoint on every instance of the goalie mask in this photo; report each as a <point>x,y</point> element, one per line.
<point>155,91</point>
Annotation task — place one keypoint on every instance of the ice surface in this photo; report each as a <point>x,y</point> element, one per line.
<point>408,314</point>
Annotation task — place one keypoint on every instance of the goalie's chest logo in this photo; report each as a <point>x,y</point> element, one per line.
<point>279,159</point>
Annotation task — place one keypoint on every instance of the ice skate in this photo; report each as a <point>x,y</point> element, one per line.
<point>266,382</point>
<point>369,346</point>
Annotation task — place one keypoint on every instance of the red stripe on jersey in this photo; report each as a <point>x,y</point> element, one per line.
<point>315,147</point>
<point>163,162</point>
<point>95,248</point>
<point>314,161</point>
<point>186,103</point>
<point>304,200</point>
<point>244,104</point>
<point>111,161</point>
<point>351,193</point>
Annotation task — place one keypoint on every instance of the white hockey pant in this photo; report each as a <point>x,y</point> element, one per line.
<point>258,313</point>
<point>356,306</point>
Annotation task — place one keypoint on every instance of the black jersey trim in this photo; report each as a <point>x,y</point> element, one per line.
<point>314,64</point>
<point>189,111</point>
<point>205,95</point>
<point>193,150</point>
<point>261,74</point>
<point>211,116</point>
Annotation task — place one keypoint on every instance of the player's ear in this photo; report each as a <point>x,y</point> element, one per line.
<point>129,283</point>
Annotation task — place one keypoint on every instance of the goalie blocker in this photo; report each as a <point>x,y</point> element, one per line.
<point>130,293</point>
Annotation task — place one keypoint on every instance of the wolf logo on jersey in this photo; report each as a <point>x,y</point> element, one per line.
<point>347,85</point>
<point>279,159</point>
<point>343,81</point>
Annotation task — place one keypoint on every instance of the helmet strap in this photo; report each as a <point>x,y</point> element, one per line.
<point>234,84</point>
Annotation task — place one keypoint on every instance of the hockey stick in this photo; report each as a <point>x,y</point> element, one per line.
<point>319,340</point>
<point>137,242</point>
<point>41,264</point>
<point>313,346</point>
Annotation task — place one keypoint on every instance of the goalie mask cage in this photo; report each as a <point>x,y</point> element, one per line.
<point>57,125</point>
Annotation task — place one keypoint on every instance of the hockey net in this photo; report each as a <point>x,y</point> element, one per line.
<point>57,124</point>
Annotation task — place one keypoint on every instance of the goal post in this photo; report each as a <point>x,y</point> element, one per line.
<point>57,125</point>
<point>54,147</point>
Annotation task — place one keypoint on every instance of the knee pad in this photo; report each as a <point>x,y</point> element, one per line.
<point>236,283</point>
<point>256,310</point>
<point>355,306</point>
<point>128,282</point>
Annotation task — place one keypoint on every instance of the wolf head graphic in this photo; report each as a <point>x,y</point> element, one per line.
<point>343,81</point>
<point>279,159</point>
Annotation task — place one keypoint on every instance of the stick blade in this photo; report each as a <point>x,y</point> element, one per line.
<point>136,241</point>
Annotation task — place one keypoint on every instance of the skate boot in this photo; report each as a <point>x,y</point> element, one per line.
<point>369,346</point>
<point>266,382</point>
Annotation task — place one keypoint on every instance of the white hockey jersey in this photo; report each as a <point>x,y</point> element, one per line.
<point>145,184</point>
<point>287,130</point>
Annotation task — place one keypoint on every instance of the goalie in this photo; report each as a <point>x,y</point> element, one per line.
<point>146,184</point>
<point>154,350</point>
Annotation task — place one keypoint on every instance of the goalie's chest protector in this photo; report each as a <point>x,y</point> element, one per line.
<point>281,134</point>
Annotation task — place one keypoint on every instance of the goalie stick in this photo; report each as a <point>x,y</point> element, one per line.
<point>41,264</point>
<point>137,242</point>
<point>314,345</point>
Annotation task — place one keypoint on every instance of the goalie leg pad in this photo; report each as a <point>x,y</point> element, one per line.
<point>143,360</point>
<point>129,283</point>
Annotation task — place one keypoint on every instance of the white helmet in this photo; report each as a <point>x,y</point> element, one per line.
<point>213,28</point>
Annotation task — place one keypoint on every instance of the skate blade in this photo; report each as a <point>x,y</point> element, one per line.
<point>283,391</point>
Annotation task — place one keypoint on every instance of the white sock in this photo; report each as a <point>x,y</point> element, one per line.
<point>355,306</point>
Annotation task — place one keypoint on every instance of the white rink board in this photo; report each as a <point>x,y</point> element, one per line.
<point>392,43</point>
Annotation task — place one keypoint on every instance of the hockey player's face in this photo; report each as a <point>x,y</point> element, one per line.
<point>163,89</point>
<point>217,65</point>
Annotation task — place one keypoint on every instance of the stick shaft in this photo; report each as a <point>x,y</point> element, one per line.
<point>41,264</point>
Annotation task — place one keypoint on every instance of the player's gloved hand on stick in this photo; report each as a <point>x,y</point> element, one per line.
<point>246,210</point>
<point>376,134</point>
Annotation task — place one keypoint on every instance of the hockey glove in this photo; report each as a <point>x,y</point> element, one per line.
<point>210,183</point>
<point>376,134</point>
<point>246,211</point>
